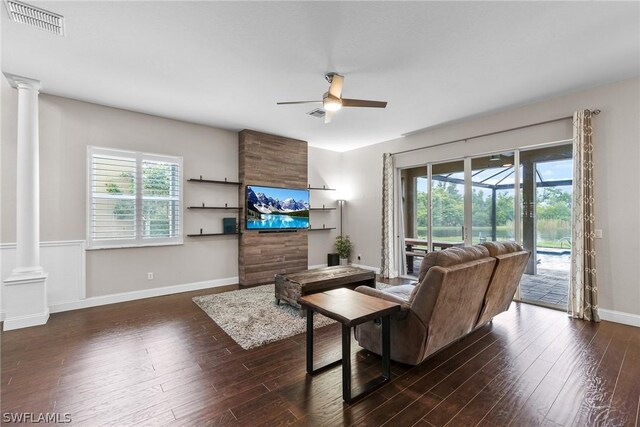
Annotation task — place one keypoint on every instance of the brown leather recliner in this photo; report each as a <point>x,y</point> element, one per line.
<point>454,292</point>
<point>443,306</point>
<point>511,261</point>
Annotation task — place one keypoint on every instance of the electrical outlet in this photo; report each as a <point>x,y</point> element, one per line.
<point>149,276</point>
<point>598,233</point>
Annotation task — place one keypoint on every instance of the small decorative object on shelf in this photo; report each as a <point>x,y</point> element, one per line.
<point>229,225</point>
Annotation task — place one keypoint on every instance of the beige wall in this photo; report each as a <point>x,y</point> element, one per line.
<point>617,156</point>
<point>67,127</point>
<point>324,169</point>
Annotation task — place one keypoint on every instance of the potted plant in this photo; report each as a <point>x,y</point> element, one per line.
<point>343,247</point>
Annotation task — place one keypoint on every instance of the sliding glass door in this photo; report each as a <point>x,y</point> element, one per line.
<point>447,201</point>
<point>518,195</point>
<point>546,224</point>
<point>493,198</point>
<point>457,203</point>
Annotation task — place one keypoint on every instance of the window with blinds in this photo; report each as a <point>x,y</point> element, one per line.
<point>135,199</point>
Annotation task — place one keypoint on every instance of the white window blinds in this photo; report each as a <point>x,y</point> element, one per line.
<point>160,199</point>
<point>135,199</point>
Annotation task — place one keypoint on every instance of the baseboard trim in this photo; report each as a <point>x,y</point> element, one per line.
<point>136,295</point>
<point>619,317</point>
<point>25,321</point>
<point>311,267</point>
<point>368,267</point>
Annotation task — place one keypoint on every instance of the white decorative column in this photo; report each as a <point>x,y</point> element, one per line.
<point>24,295</point>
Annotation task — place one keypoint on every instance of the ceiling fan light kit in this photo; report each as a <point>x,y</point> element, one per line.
<point>332,100</point>
<point>331,104</point>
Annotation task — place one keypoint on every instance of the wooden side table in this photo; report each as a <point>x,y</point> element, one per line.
<point>350,308</point>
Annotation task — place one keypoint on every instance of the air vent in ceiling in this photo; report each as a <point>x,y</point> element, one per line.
<point>36,17</point>
<point>318,112</point>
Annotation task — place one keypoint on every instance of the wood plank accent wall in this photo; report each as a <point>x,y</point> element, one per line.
<point>272,161</point>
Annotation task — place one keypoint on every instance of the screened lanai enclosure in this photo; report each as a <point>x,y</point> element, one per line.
<point>474,200</point>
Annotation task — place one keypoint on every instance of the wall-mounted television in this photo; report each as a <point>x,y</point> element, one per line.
<point>273,208</point>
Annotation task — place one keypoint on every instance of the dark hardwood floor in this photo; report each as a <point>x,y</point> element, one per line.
<point>162,361</point>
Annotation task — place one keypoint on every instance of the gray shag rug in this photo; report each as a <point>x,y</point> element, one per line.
<point>252,318</point>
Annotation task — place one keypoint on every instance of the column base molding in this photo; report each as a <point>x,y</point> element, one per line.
<point>24,299</point>
<point>25,277</point>
<point>27,321</point>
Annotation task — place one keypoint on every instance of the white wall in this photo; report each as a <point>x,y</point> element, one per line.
<point>65,264</point>
<point>617,156</point>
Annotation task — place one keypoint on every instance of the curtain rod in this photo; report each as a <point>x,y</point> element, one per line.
<point>594,112</point>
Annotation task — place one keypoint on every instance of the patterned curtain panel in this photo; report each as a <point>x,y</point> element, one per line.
<point>402,265</point>
<point>583,290</point>
<point>388,257</point>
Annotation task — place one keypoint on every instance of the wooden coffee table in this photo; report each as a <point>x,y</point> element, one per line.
<point>350,308</point>
<point>290,287</point>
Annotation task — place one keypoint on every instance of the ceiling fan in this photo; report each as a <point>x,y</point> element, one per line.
<point>333,101</point>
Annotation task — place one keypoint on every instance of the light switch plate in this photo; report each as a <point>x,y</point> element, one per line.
<point>598,233</point>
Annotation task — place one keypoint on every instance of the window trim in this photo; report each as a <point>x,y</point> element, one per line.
<point>139,240</point>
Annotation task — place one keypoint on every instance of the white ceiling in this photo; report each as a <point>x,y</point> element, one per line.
<point>226,64</point>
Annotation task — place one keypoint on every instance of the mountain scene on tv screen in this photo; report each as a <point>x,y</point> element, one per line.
<point>264,211</point>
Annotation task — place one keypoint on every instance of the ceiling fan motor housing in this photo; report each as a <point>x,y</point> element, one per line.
<point>329,76</point>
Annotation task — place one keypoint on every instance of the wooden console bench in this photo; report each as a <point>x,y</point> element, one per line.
<point>290,287</point>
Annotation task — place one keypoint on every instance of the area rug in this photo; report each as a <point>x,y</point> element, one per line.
<point>252,318</point>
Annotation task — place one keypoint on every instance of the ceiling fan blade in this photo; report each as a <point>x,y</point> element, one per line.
<point>328,115</point>
<point>335,89</point>
<point>363,103</point>
<point>298,102</point>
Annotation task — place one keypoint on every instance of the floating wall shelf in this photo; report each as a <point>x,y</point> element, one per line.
<point>321,229</point>
<point>212,234</point>
<point>325,188</point>
<point>322,209</point>
<point>211,181</point>
<point>223,208</point>
<point>214,208</point>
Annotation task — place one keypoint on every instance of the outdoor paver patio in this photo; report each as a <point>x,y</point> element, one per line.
<point>551,283</point>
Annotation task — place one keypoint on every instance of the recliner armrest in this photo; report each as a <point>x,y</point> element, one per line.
<point>383,295</point>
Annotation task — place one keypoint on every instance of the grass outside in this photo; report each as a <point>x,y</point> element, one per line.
<point>554,244</point>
